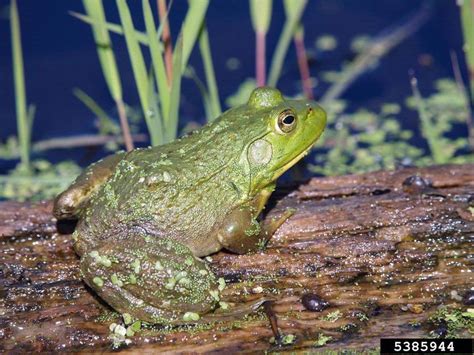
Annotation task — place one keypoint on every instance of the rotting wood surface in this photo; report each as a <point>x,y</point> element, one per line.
<point>384,249</point>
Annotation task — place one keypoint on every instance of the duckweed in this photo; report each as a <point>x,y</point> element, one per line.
<point>127,318</point>
<point>221,282</point>
<point>191,316</point>
<point>136,266</point>
<point>115,280</point>
<point>98,281</point>
<point>132,279</point>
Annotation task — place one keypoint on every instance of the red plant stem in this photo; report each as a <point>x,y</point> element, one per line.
<point>127,137</point>
<point>303,65</point>
<point>166,36</point>
<point>260,58</point>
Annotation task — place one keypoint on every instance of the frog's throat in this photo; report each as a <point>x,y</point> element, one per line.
<point>278,172</point>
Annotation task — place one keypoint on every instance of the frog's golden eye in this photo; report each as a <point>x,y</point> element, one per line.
<point>286,121</point>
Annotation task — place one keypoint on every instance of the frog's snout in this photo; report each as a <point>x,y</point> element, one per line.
<point>316,117</point>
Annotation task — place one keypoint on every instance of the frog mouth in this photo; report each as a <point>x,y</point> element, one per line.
<point>292,162</point>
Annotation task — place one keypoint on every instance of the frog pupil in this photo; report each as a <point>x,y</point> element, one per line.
<point>288,120</point>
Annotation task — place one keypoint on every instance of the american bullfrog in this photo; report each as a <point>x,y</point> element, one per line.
<point>146,217</point>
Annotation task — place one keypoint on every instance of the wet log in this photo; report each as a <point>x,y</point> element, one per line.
<point>374,255</point>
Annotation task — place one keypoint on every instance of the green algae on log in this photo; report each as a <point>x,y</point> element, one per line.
<point>385,250</point>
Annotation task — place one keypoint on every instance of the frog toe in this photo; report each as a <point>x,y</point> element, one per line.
<point>157,280</point>
<point>65,205</point>
<point>69,203</point>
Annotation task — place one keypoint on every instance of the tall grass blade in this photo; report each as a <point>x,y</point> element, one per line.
<point>93,106</point>
<point>159,68</point>
<point>139,70</point>
<point>31,112</point>
<point>427,125</point>
<point>171,120</point>
<point>294,10</point>
<point>191,74</point>
<point>205,49</point>
<point>95,10</point>
<point>464,92</point>
<point>127,135</point>
<point>23,121</point>
<point>154,107</point>
<point>112,27</point>
<point>467,20</point>
<point>191,26</point>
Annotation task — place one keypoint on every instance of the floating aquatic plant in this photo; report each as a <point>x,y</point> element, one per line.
<point>366,141</point>
<point>41,180</point>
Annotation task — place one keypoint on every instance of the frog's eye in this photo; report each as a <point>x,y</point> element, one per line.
<point>286,122</point>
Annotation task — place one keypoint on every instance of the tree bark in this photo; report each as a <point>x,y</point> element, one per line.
<point>385,250</point>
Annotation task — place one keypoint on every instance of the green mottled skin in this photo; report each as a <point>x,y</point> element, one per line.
<point>145,217</point>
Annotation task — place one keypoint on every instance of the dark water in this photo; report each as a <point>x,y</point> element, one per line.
<point>59,55</point>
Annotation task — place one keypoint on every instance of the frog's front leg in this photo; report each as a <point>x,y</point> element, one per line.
<point>242,233</point>
<point>152,278</point>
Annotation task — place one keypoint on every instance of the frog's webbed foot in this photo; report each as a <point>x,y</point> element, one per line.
<point>68,203</point>
<point>153,279</point>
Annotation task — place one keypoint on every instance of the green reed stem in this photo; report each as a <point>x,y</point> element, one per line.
<point>157,58</point>
<point>23,119</point>
<point>428,127</point>
<point>171,120</point>
<point>191,28</point>
<point>95,10</point>
<point>205,49</point>
<point>467,20</point>
<point>294,10</point>
<point>139,71</point>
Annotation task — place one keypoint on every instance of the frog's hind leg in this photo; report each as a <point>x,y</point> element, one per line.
<point>154,279</point>
<point>68,203</point>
